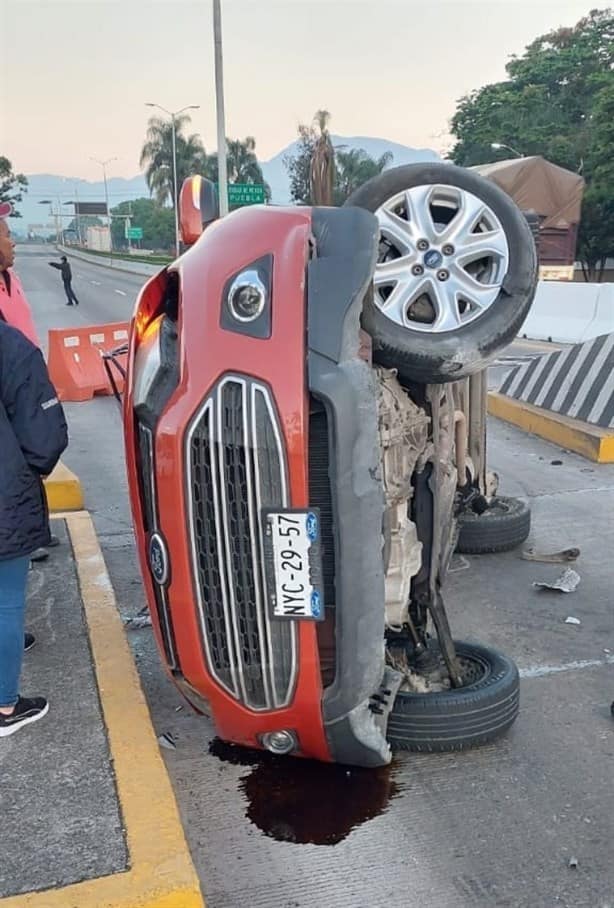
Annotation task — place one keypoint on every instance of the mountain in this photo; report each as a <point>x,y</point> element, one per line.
<point>277,177</point>
<point>44,186</point>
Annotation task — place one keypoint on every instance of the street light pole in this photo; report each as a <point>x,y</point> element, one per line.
<point>219,103</point>
<point>75,184</point>
<point>103,164</point>
<point>175,194</point>
<point>77,215</point>
<point>498,146</point>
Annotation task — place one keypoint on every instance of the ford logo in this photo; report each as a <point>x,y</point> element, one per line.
<point>433,258</point>
<point>158,559</point>
<point>311,526</point>
<point>316,605</point>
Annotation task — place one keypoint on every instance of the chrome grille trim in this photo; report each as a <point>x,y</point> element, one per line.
<point>149,505</point>
<point>261,654</point>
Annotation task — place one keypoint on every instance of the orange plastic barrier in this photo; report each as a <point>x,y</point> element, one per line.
<point>75,359</point>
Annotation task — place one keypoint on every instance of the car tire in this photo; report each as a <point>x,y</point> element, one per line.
<point>450,355</point>
<point>459,718</point>
<point>502,527</point>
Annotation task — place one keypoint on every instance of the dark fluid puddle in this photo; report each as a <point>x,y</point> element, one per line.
<point>306,802</point>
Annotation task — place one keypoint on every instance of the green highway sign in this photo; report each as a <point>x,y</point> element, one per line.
<point>134,233</point>
<point>246,194</point>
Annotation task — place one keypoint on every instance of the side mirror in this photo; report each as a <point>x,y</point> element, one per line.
<point>198,207</point>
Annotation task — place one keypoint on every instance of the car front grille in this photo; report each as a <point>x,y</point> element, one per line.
<point>235,465</point>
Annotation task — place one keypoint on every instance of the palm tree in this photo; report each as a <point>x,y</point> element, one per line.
<point>157,156</point>
<point>355,167</point>
<point>322,168</point>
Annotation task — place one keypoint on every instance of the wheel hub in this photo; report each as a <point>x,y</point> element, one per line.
<point>443,258</point>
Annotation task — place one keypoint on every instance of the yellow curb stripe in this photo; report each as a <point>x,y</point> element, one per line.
<point>161,873</point>
<point>592,442</point>
<point>64,492</point>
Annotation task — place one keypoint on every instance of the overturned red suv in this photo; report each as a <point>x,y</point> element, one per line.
<point>296,460</point>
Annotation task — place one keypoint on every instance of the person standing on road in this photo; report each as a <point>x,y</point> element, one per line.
<point>65,268</point>
<point>14,306</point>
<point>15,309</point>
<point>33,434</point>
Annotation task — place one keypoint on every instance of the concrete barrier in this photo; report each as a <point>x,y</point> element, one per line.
<point>577,382</point>
<point>570,313</point>
<point>592,442</point>
<point>116,264</point>
<point>63,490</point>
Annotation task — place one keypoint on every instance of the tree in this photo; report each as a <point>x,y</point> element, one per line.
<point>322,169</point>
<point>596,238</point>
<point>157,156</point>
<point>334,173</point>
<point>355,167</point>
<point>558,102</point>
<point>298,166</point>
<point>156,221</point>
<point>312,168</point>
<point>241,162</point>
<point>12,185</point>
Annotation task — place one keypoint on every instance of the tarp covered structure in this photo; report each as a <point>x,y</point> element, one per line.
<point>537,185</point>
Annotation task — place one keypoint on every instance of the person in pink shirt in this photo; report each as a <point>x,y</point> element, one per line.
<point>15,310</point>
<point>14,307</point>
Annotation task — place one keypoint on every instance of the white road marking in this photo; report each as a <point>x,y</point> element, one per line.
<point>95,283</point>
<point>538,671</point>
<point>121,293</point>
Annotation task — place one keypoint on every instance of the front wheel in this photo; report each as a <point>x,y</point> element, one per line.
<point>459,718</point>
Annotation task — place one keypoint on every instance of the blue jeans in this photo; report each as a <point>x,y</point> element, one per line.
<point>13,584</point>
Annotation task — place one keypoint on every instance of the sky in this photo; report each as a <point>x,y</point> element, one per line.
<point>75,74</point>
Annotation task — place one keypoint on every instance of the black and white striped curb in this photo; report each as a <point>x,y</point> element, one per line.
<point>577,381</point>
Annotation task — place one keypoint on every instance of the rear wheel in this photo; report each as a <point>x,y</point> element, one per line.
<point>476,713</point>
<point>456,271</point>
<point>501,527</point>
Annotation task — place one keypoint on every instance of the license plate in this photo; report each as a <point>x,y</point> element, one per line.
<point>294,564</point>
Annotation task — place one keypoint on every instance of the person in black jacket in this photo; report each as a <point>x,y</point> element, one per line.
<point>64,267</point>
<point>33,434</point>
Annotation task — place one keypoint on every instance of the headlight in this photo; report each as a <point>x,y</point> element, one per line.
<point>247,296</point>
<point>147,362</point>
<point>246,300</point>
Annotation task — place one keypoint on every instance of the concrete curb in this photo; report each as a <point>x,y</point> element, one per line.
<point>63,489</point>
<point>161,873</point>
<point>590,441</point>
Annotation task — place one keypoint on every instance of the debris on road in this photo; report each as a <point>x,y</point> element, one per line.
<point>566,583</point>
<point>141,619</point>
<point>565,556</point>
<point>572,620</point>
<point>573,863</point>
<point>167,741</point>
<point>556,463</point>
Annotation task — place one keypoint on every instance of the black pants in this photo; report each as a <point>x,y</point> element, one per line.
<point>70,294</point>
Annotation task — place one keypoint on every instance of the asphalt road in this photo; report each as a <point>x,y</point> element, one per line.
<point>492,828</point>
